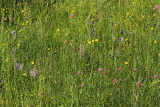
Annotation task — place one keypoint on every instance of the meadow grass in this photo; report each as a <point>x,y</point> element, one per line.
<point>79,53</point>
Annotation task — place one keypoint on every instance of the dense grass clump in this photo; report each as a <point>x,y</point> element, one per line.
<point>79,53</point>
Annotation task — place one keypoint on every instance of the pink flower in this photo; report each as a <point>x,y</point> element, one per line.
<point>100,69</point>
<point>78,73</point>
<point>135,69</point>
<point>156,7</point>
<point>115,81</point>
<point>82,85</point>
<point>104,73</point>
<point>33,72</point>
<point>155,76</point>
<point>138,83</point>
<point>119,69</point>
<point>72,16</point>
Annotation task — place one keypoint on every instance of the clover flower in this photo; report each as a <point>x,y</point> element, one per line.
<point>33,72</point>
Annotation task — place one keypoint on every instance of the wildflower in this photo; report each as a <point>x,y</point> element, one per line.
<point>48,49</point>
<point>18,45</point>
<point>122,31</point>
<point>110,94</point>
<point>100,69</point>
<point>2,50</point>
<point>6,60</point>
<point>53,97</point>
<point>92,40</point>
<point>78,73</point>
<point>27,22</point>
<point>3,19</point>
<point>66,34</point>
<point>152,28</point>
<point>119,69</point>
<point>23,11</point>
<point>19,66</point>
<point>14,50</point>
<point>32,63</point>
<point>155,41</point>
<point>138,83</point>
<point>91,22</point>
<point>14,33</point>
<point>126,39</point>
<point>96,40</point>
<point>71,16</point>
<point>128,13</point>
<point>89,42</point>
<point>33,72</point>
<point>24,74</point>
<point>115,81</point>
<point>122,39</point>
<point>82,85</point>
<point>155,76</point>
<point>135,69</point>
<point>159,54</point>
<point>156,7</point>
<point>126,63</point>
<point>57,30</point>
<point>104,73</point>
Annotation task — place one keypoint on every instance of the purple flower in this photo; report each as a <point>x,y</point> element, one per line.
<point>100,69</point>
<point>91,22</point>
<point>33,72</point>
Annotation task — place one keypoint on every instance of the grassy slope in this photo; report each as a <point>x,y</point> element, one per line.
<point>58,55</point>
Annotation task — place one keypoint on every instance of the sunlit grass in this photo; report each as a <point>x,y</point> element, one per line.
<point>79,53</point>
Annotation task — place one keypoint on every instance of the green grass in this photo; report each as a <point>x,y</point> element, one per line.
<point>58,45</point>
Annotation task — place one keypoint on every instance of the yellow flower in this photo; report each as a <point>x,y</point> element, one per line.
<point>155,41</point>
<point>92,40</point>
<point>142,16</point>
<point>24,74</point>
<point>18,45</point>
<point>110,93</point>
<point>32,63</point>
<point>2,50</point>
<point>128,13</point>
<point>3,44</point>
<point>66,34</point>
<point>115,24</point>
<point>152,28</point>
<point>159,54</point>
<point>53,97</point>
<point>89,42</point>
<point>27,22</point>
<point>57,30</point>
<point>49,49</point>
<point>6,60</point>
<point>22,11</point>
<point>126,63</point>
<point>96,40</point>
<point>124,20</point>
<point>126,39</point>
